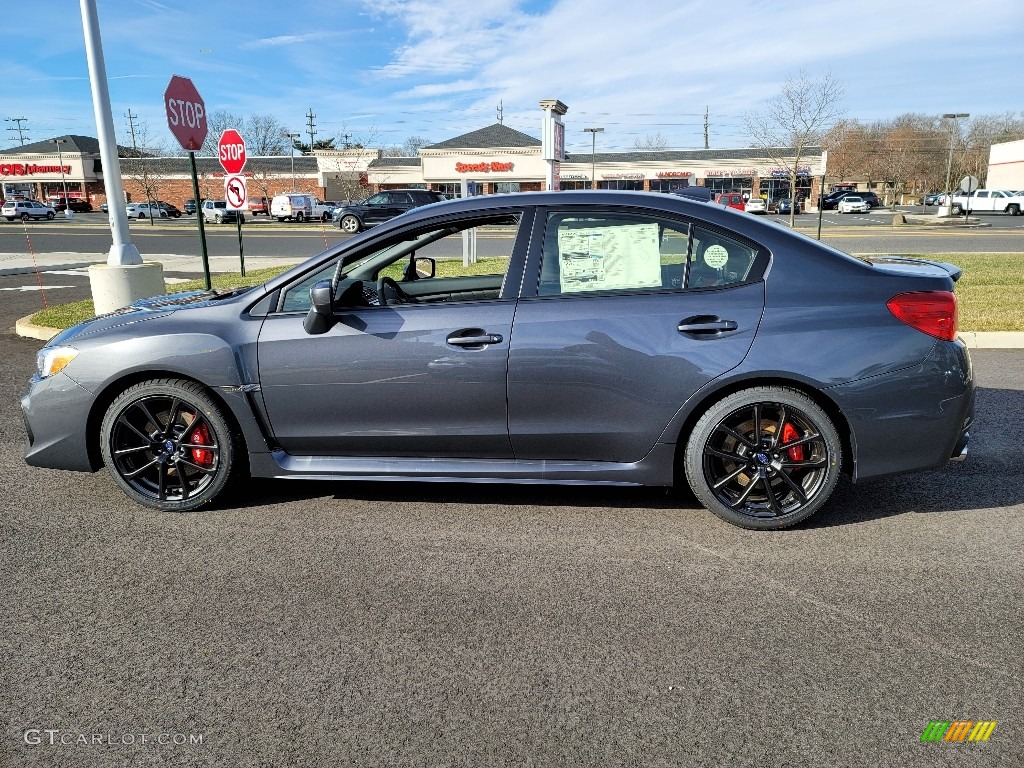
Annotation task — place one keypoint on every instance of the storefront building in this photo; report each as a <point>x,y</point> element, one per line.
<point>496,159</point>
<point>502,159</point>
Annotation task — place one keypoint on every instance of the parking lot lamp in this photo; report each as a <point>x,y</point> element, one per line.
<point>593,144</point>
<point>949,163</point>
<point>68,214</point>
<point>291,140</point>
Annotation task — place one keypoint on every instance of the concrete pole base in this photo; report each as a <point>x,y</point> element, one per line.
<point>118,286</point>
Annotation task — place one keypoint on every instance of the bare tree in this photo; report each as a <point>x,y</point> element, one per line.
<point>409,148</point>
<point>795,120</point>
<point>138,160</point>
<point>984,131</point>
<point>218,122</point>
<point>264,135</point>
<point>652,142</point>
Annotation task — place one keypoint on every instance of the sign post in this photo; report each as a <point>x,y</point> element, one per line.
<point>186,117</point>
<point>231,152</point>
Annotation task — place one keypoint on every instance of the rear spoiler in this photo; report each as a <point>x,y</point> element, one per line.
<point>954,271</point>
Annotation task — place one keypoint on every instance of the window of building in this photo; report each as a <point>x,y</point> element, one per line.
<point>566,186</point>
<point>668,185</point>
<point>631,184</point>
<point>506,187</point>
<point>450,189</point>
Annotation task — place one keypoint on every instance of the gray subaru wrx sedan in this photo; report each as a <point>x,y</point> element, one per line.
<point>602,337</point>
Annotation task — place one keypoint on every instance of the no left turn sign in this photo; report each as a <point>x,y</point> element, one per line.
<point>234,193</point>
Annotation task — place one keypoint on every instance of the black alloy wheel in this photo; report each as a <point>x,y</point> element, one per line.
<point>167,445</point>
<point>764,458</point>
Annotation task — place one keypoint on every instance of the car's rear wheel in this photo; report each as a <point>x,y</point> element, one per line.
<point>299,217</point>
<point>1013,210</point>
<point>764,458</point>
<point>349,224</point>
<point>167,445</point>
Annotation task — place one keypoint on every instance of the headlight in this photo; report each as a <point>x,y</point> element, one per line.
<point>51,360</point>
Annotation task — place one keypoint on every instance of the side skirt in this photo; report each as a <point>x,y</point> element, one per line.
<point>655,469</point>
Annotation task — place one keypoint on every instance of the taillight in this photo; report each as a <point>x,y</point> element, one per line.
<point>931,312</point>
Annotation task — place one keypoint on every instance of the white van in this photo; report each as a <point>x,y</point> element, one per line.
<point>297,207</point>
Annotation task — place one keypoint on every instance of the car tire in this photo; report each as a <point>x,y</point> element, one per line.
<point>280,218</point>
<point>349,223</point>
<point>1013,210</point>
<point>165,413</point>
<point>762,484</point>
<point>25,217</point>
<point>956,210</point>
<point>50,215</point>
<point>218,219</point>
<point>299,217</point>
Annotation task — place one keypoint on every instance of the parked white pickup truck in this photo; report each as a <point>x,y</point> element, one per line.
<point>988,201</point>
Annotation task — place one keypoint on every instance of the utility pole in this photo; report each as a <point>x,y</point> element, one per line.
<point>593,156</point>
<point>706,128</point>
<point>310,121</point>
<point>19,129</point>
<point>291,140</point>
<point>346,137</point>
<point>501,112</point>
<point>142,163</point>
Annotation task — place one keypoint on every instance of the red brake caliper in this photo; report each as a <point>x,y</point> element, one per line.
<point>789,434</point>
<point>201,436</point>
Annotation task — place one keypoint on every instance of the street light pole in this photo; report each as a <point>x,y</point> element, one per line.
<point>949,163</point>
<point>68,214</point>
<point>593,144</point>
<point>291,140</point>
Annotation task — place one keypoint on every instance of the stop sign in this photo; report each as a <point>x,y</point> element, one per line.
<point>231,150</point>
<point>186,113</point>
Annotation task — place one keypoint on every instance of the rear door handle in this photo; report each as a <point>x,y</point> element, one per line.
<point>474,341</point>
<point>708,326</point>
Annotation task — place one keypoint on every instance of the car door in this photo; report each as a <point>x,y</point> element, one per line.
<point>380,208</point>
<point>422,379</point>
<point>633,314</point>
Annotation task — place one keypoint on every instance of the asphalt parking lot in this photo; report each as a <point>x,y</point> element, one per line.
<point>318,624</point>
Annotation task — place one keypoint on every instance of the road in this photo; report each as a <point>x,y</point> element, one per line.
<point>424,625</point>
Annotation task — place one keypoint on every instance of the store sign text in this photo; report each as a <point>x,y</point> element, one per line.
<point>783,173</point>
<point>731,172</point>
<point>482,167</point>
<point>25,169</point>
<point>622,175</point>
<point>674,174</point>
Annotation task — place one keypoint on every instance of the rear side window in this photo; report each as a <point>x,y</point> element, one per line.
<point>591,253</point>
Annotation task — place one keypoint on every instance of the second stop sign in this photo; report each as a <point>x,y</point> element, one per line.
<point>231,151</point>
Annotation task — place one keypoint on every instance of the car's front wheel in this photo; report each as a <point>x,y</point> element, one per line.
<point>50,215</point>
<point>764,458</point>
<point>349,223</point>
<point>167,445</point>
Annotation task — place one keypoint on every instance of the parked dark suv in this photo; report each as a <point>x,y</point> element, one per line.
<point>189,207</point>
<point>383,206</point>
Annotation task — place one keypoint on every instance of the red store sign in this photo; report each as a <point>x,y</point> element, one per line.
<point>25,169</point>
<point>482,167</point>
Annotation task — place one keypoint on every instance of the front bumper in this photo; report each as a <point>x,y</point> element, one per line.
<point>56,413</point>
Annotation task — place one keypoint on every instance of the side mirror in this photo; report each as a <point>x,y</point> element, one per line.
<point>320,317</point>
<point>424,266</point>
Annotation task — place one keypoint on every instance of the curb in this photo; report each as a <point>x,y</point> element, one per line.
<point>973,339</point>
<point>15,271</point>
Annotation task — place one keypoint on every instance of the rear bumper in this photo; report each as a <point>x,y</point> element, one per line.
<point>911,420</point>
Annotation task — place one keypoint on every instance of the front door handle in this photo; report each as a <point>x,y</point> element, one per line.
<point>476,340</point>
<point>707,326</point>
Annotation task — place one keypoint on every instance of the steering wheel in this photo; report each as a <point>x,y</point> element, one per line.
<point>400,296</point>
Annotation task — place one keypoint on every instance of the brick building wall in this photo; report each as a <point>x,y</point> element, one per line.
<point>177,190</point>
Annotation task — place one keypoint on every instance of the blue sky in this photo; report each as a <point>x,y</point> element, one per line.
<point>385,70</point>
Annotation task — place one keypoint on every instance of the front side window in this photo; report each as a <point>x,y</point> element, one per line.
<point>590,253</point>
<point>452,280</point>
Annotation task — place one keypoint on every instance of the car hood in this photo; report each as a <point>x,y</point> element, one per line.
<point>145,309</point>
